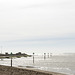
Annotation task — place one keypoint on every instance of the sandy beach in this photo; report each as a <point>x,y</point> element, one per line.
<point>7,70</point>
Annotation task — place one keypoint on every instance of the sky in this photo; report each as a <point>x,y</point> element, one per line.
<point>40,26</point>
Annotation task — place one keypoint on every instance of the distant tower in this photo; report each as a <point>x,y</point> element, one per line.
<point>1,52</point>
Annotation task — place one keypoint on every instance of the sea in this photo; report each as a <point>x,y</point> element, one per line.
<point>57,63</point>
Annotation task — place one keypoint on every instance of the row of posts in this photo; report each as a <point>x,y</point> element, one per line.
<point>45,56</point>
<point>49,55</point>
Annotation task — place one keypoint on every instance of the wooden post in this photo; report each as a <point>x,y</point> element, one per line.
<point>11,59</point>
<point>44,56</point>
<point>48,55</point>
<point>33,58</point>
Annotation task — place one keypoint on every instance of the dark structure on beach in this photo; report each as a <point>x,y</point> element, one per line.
<point>19,54</point>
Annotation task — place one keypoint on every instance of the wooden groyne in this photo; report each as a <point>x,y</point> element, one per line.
<point>7,70</point>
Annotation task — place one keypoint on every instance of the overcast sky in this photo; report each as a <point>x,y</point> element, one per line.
<point>37,26</point>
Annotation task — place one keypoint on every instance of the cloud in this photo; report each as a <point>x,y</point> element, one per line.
<point>37,23</point>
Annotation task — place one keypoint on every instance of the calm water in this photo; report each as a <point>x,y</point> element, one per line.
<point>61,64</point>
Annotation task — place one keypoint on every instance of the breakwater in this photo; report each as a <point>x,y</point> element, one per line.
<point>7,70</point>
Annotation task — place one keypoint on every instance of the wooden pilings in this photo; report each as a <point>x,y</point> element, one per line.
<point>44,56</point>
<point>33,58</point>
<point>11,59</point>
<point>47,55</point>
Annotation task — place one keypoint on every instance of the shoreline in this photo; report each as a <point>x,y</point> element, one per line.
<point>7,70</point>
